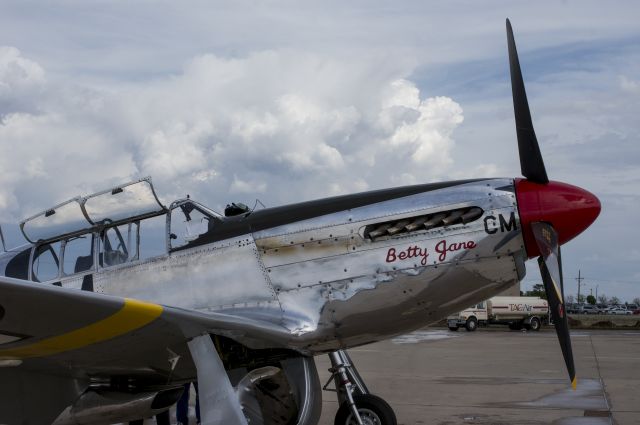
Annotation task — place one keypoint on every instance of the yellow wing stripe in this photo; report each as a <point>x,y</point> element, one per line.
<point>133,315</point>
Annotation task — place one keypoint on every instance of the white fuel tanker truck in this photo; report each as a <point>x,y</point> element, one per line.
<point>516,312</point>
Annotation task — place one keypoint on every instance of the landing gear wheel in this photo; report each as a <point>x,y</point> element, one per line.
<point>453,328</point>
<point>373,411</point>
<point>472,324</point>
<point>534,325</point>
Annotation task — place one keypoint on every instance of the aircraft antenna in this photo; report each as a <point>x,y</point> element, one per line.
<point>255,205</point>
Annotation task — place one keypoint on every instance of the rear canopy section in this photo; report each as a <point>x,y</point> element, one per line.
<point>127,202</point>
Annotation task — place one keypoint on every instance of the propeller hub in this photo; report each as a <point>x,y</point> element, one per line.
<point>569,209</point>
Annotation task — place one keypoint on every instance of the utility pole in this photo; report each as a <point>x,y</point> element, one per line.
<point>579,279</point>
<point>4,247</point>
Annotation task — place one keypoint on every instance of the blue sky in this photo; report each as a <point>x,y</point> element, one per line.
<point>287,101</point>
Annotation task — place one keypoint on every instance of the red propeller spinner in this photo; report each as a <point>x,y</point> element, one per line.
<point>569,209</point>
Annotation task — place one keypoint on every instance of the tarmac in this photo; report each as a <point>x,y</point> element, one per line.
<point>496,376</point>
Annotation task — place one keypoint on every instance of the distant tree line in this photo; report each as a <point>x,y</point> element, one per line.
<point>538,291</point>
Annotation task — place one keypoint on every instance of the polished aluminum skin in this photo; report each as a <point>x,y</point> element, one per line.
<point>329,285</point>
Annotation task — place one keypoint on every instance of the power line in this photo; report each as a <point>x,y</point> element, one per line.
<point>613,280</point>
<point>591,279</point>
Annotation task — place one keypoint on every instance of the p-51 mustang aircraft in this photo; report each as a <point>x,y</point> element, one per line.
<point>94,329</point>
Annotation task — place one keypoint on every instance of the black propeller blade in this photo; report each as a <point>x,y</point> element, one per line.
<point>551,270</point>
<point>531,163</point>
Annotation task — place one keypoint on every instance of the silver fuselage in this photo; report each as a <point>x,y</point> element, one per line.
<point>329,285</point>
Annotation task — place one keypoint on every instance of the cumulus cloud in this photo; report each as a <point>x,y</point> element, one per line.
<point>629,85</point>
<point>47,158</point>
<point>176,150</point>
<point>21,81</point>
<point>292,124</point>
<point>17,72</point>
<point>243,186</point>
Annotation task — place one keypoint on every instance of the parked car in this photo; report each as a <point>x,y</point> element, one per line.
<point>571,308</point>
<point>636,311</point>
<point>587,309</point>
<point>618,311</point>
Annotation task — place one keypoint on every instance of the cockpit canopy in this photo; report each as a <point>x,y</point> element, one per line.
<point>114,227</point>
<point>125,203</point>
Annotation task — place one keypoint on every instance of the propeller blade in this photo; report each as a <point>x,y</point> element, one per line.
<point>550,264</point>
<point>531,163</point>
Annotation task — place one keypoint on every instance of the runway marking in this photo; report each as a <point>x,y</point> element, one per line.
<point>420,336</point>
<point>134,314</point>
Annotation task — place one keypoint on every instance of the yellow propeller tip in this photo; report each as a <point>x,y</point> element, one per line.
<point>574,383</point>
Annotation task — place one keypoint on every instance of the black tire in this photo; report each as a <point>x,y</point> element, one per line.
<point>515,326</point>
<point>373,411</point>
<point>472,324</point>
<point>453,328</point>
<point>163,418</point>
<point>534,325</point>
<point>137,422</point>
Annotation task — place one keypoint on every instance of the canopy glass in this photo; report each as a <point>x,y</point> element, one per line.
<point>127,202</point>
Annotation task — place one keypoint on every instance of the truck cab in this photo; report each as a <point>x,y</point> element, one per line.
<point>469,318</point>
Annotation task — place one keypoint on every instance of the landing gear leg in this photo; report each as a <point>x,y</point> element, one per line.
<point>357,405</point>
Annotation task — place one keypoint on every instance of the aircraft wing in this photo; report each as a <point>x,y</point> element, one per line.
<point>54,341</point>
